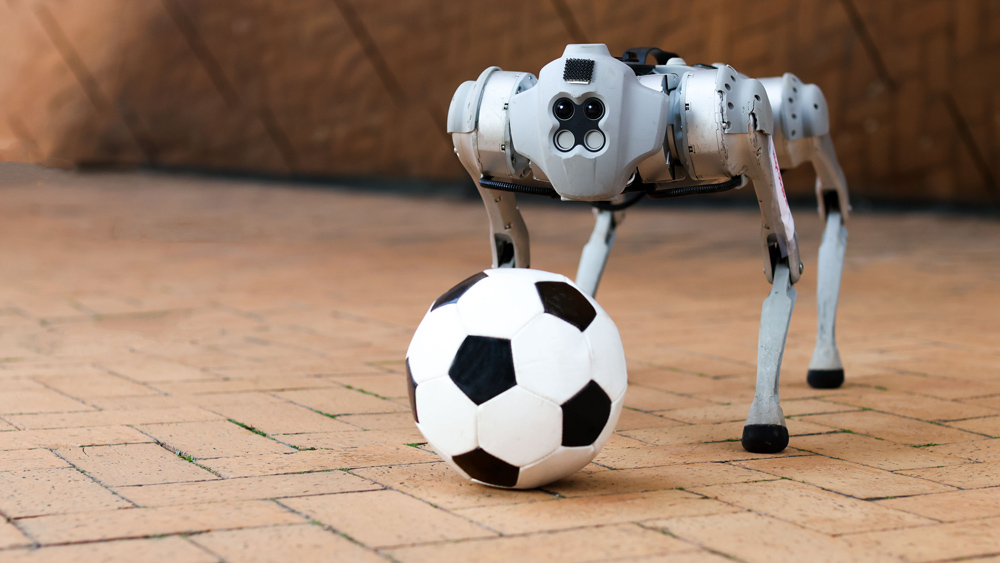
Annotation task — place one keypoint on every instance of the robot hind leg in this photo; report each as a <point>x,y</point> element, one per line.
<point>802,128</point>
<point>826,371</point>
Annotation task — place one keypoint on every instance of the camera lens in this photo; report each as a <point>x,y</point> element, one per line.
<point>593,108</point>
<point>565,140</point>
<point>563,109</point>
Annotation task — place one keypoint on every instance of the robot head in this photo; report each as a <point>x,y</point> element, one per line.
<point>587,123</point>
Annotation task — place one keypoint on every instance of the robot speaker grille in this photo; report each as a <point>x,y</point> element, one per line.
<point>578,71</point>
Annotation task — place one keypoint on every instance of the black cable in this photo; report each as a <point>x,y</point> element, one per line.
<point>637,187</point>
<point>492,184</point>
<point>730,184</point>
<point>608,206</point>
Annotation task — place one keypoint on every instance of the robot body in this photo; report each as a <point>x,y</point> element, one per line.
<point>593,127</point>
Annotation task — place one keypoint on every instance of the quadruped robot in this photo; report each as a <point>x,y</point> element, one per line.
<point>596,128</point>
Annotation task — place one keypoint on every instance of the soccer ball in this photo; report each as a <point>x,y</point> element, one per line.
<point>516,377</point>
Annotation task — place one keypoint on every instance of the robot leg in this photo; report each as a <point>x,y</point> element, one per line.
<point>508,232</point>
<point>826,370</point>
<point>802,133</point>
<point>765,430</point>
<point>595,253</point>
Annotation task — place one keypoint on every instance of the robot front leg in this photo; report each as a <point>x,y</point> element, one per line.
<point>508,232</point>
<point>595,253</point>
<point>765,430</point>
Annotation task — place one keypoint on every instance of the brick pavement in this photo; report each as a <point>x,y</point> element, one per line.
<point>196,370</point>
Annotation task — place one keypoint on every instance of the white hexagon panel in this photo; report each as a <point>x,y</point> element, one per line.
<point>560,463</point>
<point>519,427</point>
<point>499,305</point>
<point>446,417</point>
<point>527,275</point>
<point>607,356</point>
<point>551,358</point>
<point>434,344</point>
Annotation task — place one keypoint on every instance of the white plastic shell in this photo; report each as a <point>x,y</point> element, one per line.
<point>714,104</point>
<point>634,124</point>
<point>480,108</point>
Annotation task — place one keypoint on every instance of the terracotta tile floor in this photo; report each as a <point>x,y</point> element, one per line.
<point>207,370</point>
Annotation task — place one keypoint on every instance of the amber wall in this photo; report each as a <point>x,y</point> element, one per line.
<point>361,87</point>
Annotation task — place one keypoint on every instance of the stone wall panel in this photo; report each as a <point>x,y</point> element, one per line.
<point>335,88</point>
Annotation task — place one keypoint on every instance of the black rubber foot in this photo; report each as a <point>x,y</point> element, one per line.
<point>764,438</point>
<point>825,378</point>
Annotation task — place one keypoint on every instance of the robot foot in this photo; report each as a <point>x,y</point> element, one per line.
<point>825,378</point>
<point>764,438</point>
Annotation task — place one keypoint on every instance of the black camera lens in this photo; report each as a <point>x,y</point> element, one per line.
<point>593,108</point>
<point>563,109</point>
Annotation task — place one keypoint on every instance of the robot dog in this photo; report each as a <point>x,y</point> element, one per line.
<point>593,127</point>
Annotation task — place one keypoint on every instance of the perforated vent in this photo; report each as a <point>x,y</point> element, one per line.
<point>578,71</point>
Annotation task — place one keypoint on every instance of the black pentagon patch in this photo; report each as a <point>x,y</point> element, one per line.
<point>566,302</point>
<point>454,293</point>
<point>484,467</point>
<point>585,415</point>
<point>483,367</point>
<point>411,389</point>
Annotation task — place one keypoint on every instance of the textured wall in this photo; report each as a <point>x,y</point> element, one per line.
<point>352,87</point>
